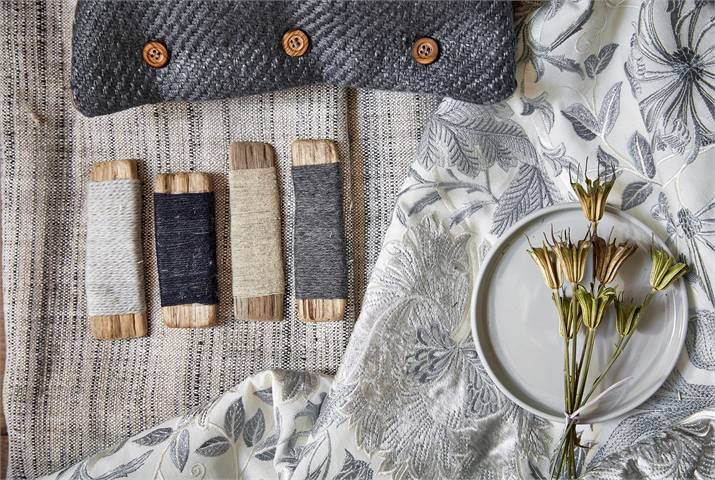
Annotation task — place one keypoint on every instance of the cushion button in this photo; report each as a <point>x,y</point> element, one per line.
<point>156,54</point>
<point>295,43</point>
<point>425,51</point>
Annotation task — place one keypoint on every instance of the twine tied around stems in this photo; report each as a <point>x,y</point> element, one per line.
<point>574,416</point>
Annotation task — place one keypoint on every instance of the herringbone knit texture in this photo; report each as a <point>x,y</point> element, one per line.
<point>230,48</point>
<point>68,395</point>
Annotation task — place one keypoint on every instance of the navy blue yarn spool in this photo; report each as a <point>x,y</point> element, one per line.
<point>185,234</point>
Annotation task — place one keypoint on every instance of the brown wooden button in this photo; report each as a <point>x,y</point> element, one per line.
<point>156,54</point>
<point>425,51</point>
<point>295,43</point>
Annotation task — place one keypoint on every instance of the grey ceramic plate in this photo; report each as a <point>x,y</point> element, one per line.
<point>515,329</point>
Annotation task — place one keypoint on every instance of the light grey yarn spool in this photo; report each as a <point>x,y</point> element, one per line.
<point>114,269</point>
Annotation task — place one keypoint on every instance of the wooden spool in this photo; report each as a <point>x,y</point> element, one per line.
<point>317,152</point>
<point>129,325</point>
<point>243,156</point>
<point>193,315</point>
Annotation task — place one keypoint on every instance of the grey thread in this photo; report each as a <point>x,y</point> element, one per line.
<point>114,275</point>
<point>319,242</point>
<point>185,236</point>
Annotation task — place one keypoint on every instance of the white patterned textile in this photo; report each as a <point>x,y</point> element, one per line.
<point>630,85</point>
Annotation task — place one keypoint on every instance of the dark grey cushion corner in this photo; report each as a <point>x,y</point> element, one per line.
<point>230,48</point>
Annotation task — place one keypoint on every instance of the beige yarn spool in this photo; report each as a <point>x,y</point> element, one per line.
<point>256,253</point>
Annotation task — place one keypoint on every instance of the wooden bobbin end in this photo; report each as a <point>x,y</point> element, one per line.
<point>315,310</point>
<point>316,152</point>
<point>183,182</point>
<point>249,155</point>
<point>194,315</point>
<point>245,156</point>
<point>129,325</point>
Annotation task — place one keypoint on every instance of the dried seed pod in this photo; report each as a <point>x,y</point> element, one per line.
<point>545,259</point>
<point>592,195</point>
<point>572,257</point>
<point>664,269</point>
<point>627,317</point>
<point>610,257</point>
<point>593,308</point>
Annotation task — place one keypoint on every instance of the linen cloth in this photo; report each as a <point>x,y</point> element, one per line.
<point>67,395</point>
<point>628,84</point>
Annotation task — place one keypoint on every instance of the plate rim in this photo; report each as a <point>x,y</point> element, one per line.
<point>498,247</point>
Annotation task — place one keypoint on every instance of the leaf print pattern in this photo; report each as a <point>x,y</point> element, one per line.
<point>255,428</point>
<point>595,64</point>
<point>634,194</point>
<point>354,469</point>
<point>213,447</point>
<point>539,104</point>
<point>154,437</point>
<point>582,120</point>
<point>686,451</point>
<point>234,419</point>
<point>428,371</point>
<point>641,154</point>
<point>179,450</point>
<point>473,138</point>
<point>701,335</point>
<point>529,191</point>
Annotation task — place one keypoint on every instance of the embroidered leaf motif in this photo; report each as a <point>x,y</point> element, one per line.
<point>701,337</point>
<point>595,64</point>
<point>467,211</point>
<point>558,159</point>
<point>266,450</point>
<point>472,138</point>
<point>610,108</point>
<point>154,437</point>
<point>354,469</point>
<point>179,450</point>
<point>120,471</point>
<point>582,120</point>
<point>423,203</point>
<point>213,447</point>
<point>266,395</point>
<point>529,191</point>
<point>641,154</point>
<point>635,193</point>
<point>435,144</point>
<point>255,428</point>
<point>564,63</point>
<point>606,161</point>
<point>540,104</point>
<point>311,410</point>
<point>233,421</point>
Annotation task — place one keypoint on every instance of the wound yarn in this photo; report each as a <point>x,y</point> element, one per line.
<point>185,235</point>
<point>114,276</point>
<point>255,233</point>
<point>319,240</point>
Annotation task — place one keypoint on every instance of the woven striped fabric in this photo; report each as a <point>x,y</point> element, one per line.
<point>68,395</point>
<point>230,48</point>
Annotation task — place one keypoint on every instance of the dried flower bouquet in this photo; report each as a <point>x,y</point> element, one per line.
<point>583,306</point>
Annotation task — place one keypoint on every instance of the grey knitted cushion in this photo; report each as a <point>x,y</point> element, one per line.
<point>226,48</point>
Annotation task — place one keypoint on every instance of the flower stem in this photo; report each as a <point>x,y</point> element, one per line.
<point>583,372</point>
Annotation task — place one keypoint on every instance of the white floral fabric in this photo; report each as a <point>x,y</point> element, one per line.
<point>628,85</point>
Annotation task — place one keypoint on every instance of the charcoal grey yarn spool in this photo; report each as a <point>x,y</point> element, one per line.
<point>186,248</point>
<point>319,240</point>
